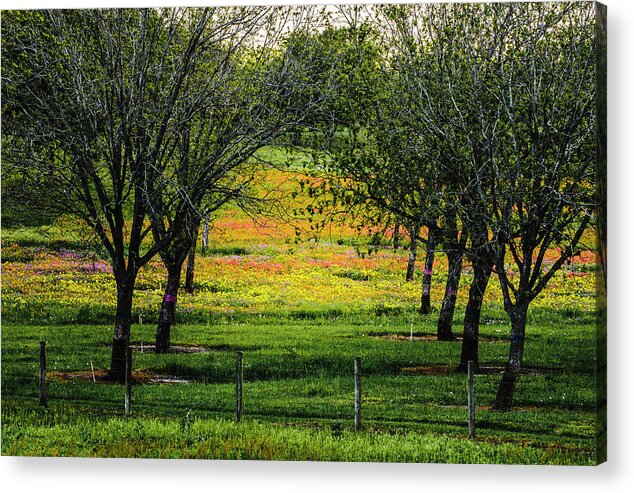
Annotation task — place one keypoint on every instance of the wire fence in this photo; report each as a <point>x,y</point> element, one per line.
<point>231,390</point>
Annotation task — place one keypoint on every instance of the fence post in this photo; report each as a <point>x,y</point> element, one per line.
<point>128,379</point>
<point>357,393</point>
<point>471,398</point>
<point>205,234</point>
<point>43,401</point>
<point>239,381</point>
<point>92,369</point>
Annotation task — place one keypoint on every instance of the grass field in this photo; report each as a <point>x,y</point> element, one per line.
<point>300,313</point>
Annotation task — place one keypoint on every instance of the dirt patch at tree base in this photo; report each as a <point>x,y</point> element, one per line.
<point>482,370</point>
<point>100,376</point>
<point>403,337</point>
<point>429,337</point>
<point>174,348</point>
<point>180,348</point>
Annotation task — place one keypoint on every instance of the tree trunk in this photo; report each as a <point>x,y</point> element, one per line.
<point>425,297</point>
<point>167,316</point>
<point>481,275</point>
<point>445,320</point>
<point>189,274</point>
<point>123,320</point>
<point>396,237</point>
<point>296,137</point>
<point>504,398</point>
<point>413,246</point>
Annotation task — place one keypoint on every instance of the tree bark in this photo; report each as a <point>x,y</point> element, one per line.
<point>445,320</point>
<point>425,297</point>
<point>123,320</point>
<point>167,316</point>
<point>413,247</point>
<point>481,275</point>
<point>504,397</point>
<point>189,273</point>
<point>396,237</point>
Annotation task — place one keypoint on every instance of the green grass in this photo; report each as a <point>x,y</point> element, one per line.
<point>192,438</point>
<point>299,395</point>
<point>295,159</point>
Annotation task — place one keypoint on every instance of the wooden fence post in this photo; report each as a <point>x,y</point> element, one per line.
<point>205,234</point>
<point>239,381</point>
<point>43,401</point>
<point>128,379</point>
<point>357,393</point>
<point>471,398</point>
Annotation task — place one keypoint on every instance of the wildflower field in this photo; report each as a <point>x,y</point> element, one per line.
<point>300,311</point>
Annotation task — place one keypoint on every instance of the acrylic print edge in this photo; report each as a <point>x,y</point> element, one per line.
<point>601,377</point>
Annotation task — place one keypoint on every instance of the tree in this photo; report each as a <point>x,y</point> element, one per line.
<point>250,93</point>
<point>491,90</point>
<point>191,262</point>
<point>386,163</point>
<point>76,87</point>
<point>429,59</point>
<point>413,231</point>
<point>430,252</point>
<point>96,105</point>
<point>395,169</point>
<point>455,243</point>
<point>376,164</point>
<point>544,184</point>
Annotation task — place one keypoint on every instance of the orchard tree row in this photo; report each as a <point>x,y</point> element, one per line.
<point>478,125</point>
